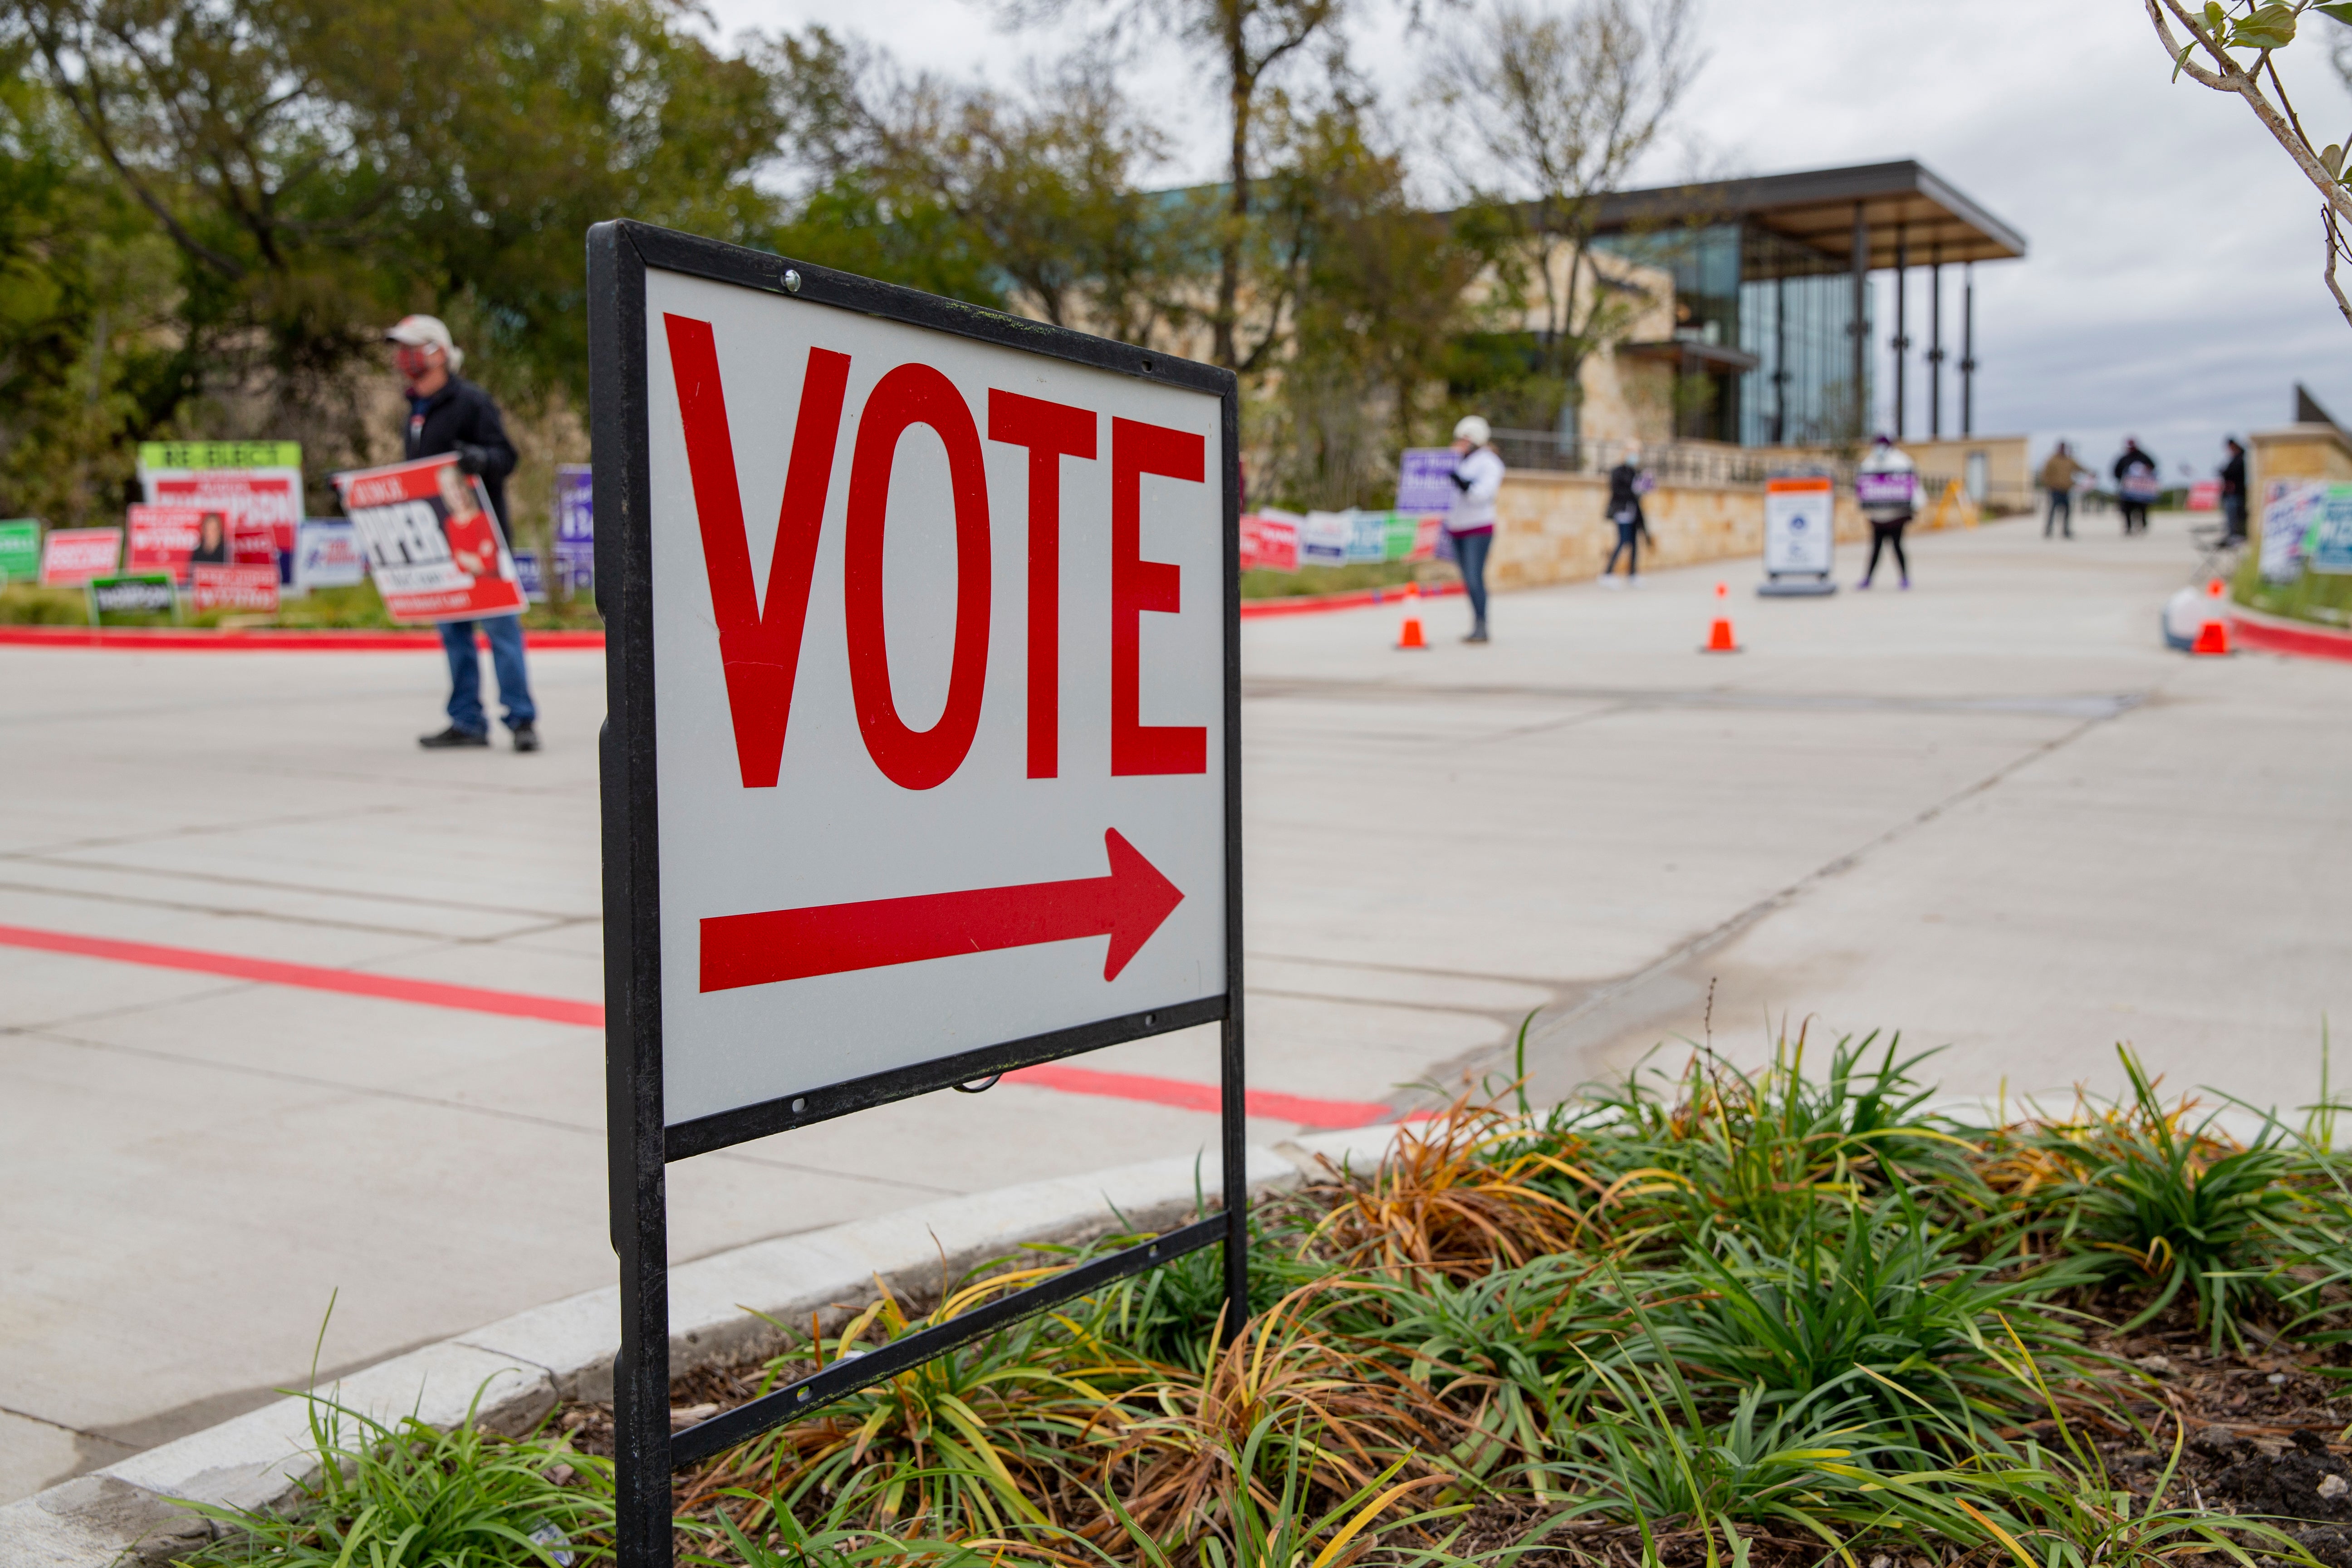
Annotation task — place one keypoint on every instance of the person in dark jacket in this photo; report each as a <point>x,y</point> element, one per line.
<point>446,414</point>
<point>2136,484</point>
<point>1625,511</point>
<point>2234,492</point>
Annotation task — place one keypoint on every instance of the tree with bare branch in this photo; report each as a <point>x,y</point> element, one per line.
<point>1552,111</point>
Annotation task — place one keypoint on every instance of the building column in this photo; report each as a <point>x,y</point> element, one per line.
<point>1859,327</point>
<point>1902,339</point>
<point>1967,348</point>
<point>1935,350</point>
<point>1780,361</point>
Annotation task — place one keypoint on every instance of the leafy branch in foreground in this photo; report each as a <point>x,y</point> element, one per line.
<point>2216,37</point>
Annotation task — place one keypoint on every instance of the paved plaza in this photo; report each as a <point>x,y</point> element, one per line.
<point>1992,812</point>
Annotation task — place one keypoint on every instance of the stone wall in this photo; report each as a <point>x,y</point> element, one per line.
<point>1551,528</point>
<point>2297,452</point>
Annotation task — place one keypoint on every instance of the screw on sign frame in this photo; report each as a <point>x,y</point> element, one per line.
<point>755,953</point>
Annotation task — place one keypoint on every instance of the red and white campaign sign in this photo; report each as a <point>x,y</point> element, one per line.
<point>940,693</point>
<point>162,538</point>
<point>234,588</point>
<point>72,556</point>
<point>432,542</point>
<point>261,507</point>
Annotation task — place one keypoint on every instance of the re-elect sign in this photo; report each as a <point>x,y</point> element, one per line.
<point>939,691</point>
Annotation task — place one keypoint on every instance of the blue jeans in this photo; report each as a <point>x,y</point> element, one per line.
<point>1629,545</point>
<point>1470,551</point>
<point>505,632</point>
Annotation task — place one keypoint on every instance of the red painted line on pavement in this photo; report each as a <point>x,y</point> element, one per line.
<point>1304,1109</point>
<point>1188,1096</point>
<point>1316,604</point>
<point>310,976</point>
<point>262,639</point>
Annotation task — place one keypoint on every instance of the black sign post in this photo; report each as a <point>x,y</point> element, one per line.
<point>641,1137</point>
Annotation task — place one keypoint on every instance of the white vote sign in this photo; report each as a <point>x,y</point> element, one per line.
<point>1800,527</point>
<point>940,693</point>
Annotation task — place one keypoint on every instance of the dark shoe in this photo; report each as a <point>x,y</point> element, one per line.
<point>526,738</point>
<point>452,738</point>
<point>1477,634</point>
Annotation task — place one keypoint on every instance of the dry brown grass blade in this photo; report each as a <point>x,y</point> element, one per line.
<point>1454,1198</point>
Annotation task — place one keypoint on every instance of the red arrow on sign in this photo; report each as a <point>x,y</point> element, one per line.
<point>1127,906</point>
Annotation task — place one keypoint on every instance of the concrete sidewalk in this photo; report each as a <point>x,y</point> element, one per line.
<point>1991,812</point>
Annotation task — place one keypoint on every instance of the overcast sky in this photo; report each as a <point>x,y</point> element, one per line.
<point>2172,286</point>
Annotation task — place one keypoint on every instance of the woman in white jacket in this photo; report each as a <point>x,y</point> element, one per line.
<point>1478,478</point>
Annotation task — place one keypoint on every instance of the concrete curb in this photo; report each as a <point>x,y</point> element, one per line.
<point>126,1513</point>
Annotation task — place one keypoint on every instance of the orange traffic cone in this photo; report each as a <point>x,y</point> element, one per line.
<point>1718,636</point>
<point>1410,635</point>
<point>2213,637</point>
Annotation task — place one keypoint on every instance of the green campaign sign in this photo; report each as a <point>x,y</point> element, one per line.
<point>134,599</point>
<point>220,454</point>
<point>20,551</point>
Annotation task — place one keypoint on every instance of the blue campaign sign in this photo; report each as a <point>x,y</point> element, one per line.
<point>1426,478</point>
<point>575,526</point>
<point>534,585</point>
<point>2328,546</point>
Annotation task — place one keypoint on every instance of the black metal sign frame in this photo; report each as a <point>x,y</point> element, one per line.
<point>640,1144</point>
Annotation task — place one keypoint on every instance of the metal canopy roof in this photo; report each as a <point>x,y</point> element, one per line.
<point>1901,200</point>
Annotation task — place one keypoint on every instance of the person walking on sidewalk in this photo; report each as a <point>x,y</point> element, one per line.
<point>1888,485</point>
<point>2135,485</point>
<point>2234,493</point>
<point>2058,476</point>
<point>1470,523</point>
<point>447,415</point>
<point>1625,511</point>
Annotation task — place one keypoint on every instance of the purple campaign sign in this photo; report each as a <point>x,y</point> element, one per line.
<point>1425,480</point>
<point>575,518</point>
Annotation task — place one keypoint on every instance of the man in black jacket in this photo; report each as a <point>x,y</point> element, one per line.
<point>2234,492</point>
<point>446,414</point>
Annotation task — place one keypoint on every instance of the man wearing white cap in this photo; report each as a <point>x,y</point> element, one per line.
<point>446,414</point>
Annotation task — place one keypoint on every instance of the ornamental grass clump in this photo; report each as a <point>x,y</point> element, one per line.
<point>1705,1318</point>
<point>2143,1194</point>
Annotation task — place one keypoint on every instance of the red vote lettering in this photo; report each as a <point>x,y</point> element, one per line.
<point>1051,431</point>
<point>1136,585</point>
<point>908,395</point>
<point>759,647</point>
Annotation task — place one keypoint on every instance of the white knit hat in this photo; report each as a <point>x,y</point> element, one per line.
<point>1472,430</point>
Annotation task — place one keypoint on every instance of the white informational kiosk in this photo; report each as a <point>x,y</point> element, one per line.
<point>1800,536</point>
<point>922,762</point>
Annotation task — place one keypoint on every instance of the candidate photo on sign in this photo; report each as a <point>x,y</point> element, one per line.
<point>212,541</point>
<point>473,537</point>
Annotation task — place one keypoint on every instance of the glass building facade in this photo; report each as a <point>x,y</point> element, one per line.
<point>1782,303</point>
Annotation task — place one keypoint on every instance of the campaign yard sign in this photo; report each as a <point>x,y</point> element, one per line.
<point>72,556</point>
<point>575,526</point>
<point>248,589</point>
<point>2327,547</point>
<point>432,542</point>
<point>256,486</point>
<point>527,572</point>
<point>2292,508</point>
<point>328,554</point>
<point>1799,526</point>
<point>163,538</point>
<point>132,600</point>
<point>20,550</point>
<point>922,762</point>
<point>1425,480</point>
<point>1269,539</point>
